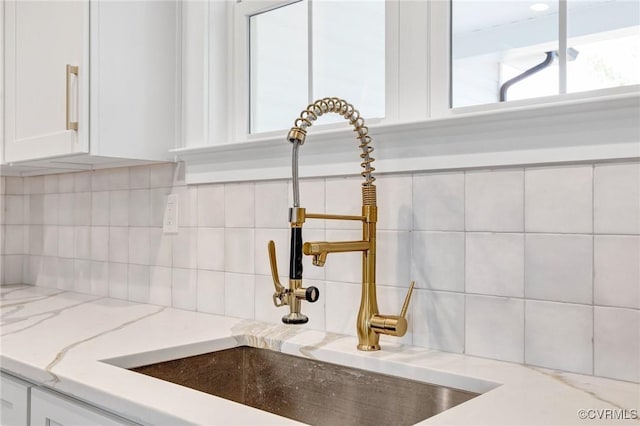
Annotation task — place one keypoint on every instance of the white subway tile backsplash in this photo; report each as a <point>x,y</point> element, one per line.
<point>82,208</point>
<point>66,182</point>
<point>211,249</point>
<point>139,246</point>
<point>82,242</point>
<point>239,295</point>
<point>82,276</point>
<point>438,320</point>
<point>158,199</point>
<point>100,278</point>
<point>99,243</point>
<point>559,336</point>
<point>66,271</point>
<point>14,239</point>
<point>100,208</point>
<point>50,241</point>
<point>82,181</point>
<point>184,288</point>
<point>185,248</point>
<point>343,267</point>
<point>559,199</point>
<point>160,248</point>
<point>458,234</point>
<point>100,180</point>
<point>617,343</point>
<point>494,327</point>
<point>139,207</point>
<point>187,205</point>
<point>494,200</point>
<point>617,271</point>
<point>119,178</point>
<point>13,185</point>
<point>161,175</point>
<point>343,196</point>
<point>138,287</point>
<point>66,214</point>
<point>160,285</point>
<point>210,208</point>
<point>559,267</point>
<point>13,269</point>
<point>36,240</point>
<point>119,208</point>
<point>494,264</point>
<point>118,244</point>
<point>342,301</point>
<point>438,202</point>
<point>14,209</point>
<point>139,177</point>
<point>34,185</point>
<point>239,246</point>
<point>393,258</point>
<point>271,209</point>
<point>66,240</point>
<point>438,260</point>
<point>51,184</point>
<point>394,194</point>
<point>211,292</point>
<point>616,198</point>
<point>36,209</point>
<point>118,280</point>
<point>239,205</point>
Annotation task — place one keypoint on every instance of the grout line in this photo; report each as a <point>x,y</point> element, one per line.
<point>593,273</point>
<point>524,264</point>
<point>464,299</point>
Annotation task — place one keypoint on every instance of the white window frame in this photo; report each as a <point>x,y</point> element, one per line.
<point>420,131</point>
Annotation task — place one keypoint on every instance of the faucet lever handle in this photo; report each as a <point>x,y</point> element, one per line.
<point>407,299</point>
<point>279,298</point>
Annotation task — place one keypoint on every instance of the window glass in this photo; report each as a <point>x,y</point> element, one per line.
<point>508,50</point>
<point>278,67</point>
<point>310,50</point>
<point>496,41</point>
<point>605,38</point>
<point>349,55</point>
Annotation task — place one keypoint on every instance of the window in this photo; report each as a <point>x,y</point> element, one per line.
<point>302,51</point>
<point>509,50</point>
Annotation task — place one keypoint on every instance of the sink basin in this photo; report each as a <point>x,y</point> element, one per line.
<point>306,390</point>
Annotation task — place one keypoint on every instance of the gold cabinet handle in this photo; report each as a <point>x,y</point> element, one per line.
<point>71,125</point>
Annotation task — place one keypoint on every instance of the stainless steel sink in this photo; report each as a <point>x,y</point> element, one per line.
<point>309,391</point>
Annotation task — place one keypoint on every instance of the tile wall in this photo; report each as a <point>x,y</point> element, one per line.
<point>529,265</point>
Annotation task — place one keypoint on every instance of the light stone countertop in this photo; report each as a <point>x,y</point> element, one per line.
<point>62,339</point>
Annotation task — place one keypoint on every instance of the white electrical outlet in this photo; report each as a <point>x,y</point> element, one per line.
<point>170,225</point>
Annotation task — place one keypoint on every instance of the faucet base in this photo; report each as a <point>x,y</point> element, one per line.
<point>295,318</point>
<point>368,347</point>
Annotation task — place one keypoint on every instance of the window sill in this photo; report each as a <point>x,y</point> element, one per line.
<point>605,128</point>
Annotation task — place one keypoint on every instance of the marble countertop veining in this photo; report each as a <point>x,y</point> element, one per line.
<point>78,344</point>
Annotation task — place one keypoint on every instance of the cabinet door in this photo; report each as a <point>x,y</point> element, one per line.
<point>52,409</point>
<point>42,95</point>
<point>14,396</point>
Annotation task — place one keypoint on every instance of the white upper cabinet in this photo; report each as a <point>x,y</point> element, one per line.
<point>90,82</point>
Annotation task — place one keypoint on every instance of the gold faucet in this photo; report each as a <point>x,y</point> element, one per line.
<point>370,323</point>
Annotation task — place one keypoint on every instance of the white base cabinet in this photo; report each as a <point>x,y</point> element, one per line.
<point>53,409</point>
<point>14,401</point>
